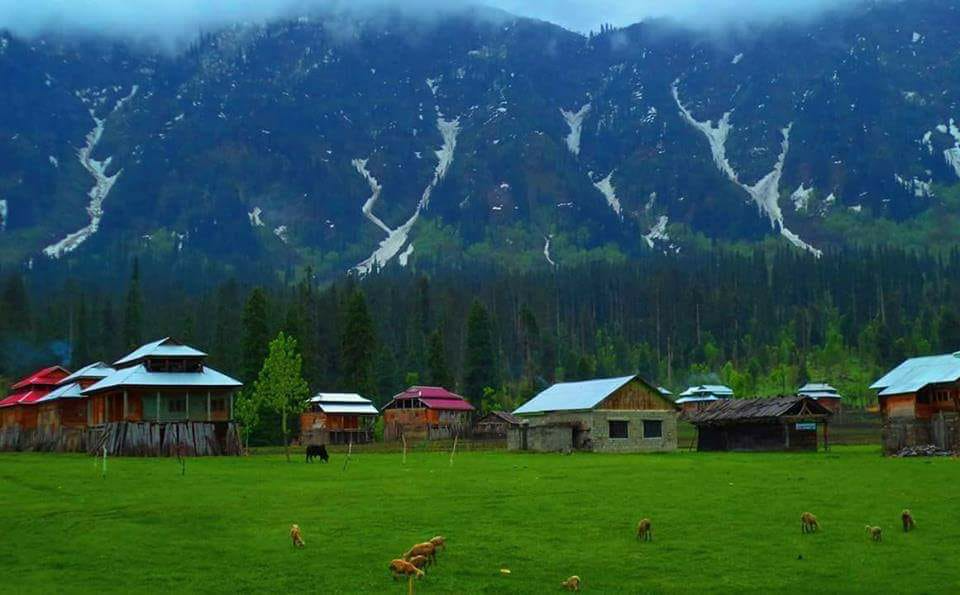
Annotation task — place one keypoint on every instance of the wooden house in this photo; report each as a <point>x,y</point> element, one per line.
<point>163,399</point>
<point>495,425</point>
<point>919,403</point>
<point>62,413</point>
<point>338,418</point>
<point>777,423</point>
<point>823,393</point>
<point>19,410</point>
<point>697,397</point>
<point>426,413</point>
<point>625,414</point>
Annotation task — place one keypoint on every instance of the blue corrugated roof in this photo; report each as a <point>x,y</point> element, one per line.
<point>139,376</point>
<point>166,347</point>
<point>918,372</point>
<point>717,390</point>
<point>573,396</point>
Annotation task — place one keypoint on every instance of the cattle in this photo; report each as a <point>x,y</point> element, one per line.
<point>317,450</point>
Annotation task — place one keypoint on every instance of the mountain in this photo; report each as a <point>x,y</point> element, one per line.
<point>346,144</point>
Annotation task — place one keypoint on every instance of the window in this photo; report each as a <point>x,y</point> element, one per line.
<point>218,405</point>
<point>942,395</point>
<point>618,428</point>
<point>652,428</point>
<point>177,405</point>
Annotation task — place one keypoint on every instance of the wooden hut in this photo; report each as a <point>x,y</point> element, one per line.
<point>163,399</point>
<point>777,423</point>
<point>426,413</point>
<point>338,418</point>
<point>19,410</point>
<point>495,425</point>
<point>62,413</point>
<point>625,414</point>
<point>920,403</point>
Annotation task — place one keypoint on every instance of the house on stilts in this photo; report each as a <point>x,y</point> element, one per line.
<point>62,414</point>
<point>338,418</point>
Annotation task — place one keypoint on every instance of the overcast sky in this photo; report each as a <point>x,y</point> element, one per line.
<point>170,20</point>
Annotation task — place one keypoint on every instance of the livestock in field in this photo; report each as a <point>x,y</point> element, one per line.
<point>908,522</point>
<point>296,536</point>
<point>876,533</point>
<point>439,542</point>
<point>423,549</point>
<point>420,562</point>
<point>403,568</point>
<point>809,523</point>
<point>317,450</point>
<point>645,530</point>
<point>572,583</point>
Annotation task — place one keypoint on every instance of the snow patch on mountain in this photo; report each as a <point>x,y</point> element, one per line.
<point>918,187</point>
<point>255,217</point>
<point>952,155</point>
<point>801,198</point>
<point>281,233</point>
<point>375,188</point>
<point>575,121</point>
<point>404,258</point>
<point>397,238</point>
<point>102,183</point>
<point>606,187</point>
<point>657,232</point>
<point>53,161</point>
<point>546,250</point>
<point>4,213</point>
<point>766,191</point>
<point>737,58</point>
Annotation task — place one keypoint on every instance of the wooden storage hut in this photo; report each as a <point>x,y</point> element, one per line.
<point>777,423</point>
<point>495,425</point>
<point>19,410</point>
<point>162,400</point>
<point>625,414</point>
<point>823,393</point>
<point>920,403</point>
<point>62,415</point>
<point>338,418</point>
<point>426,413</point>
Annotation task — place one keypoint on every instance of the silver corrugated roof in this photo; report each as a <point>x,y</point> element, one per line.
<point>918,372</point>
<point>573,396</point>
<point>97,370</point>
<point>140,376</point>
<point>350,408</point>
<point>165,347</point>
<point>65,391</point>
<point>708,389</point>
<point>696,399</point>
<point>339,398</point>
<point>350,403</point>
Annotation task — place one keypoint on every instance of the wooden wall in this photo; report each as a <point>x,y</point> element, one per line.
<point>636,396</point>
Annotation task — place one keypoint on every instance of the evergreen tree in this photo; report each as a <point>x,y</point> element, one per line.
<point>16,306</point>
<point>81,355</point>
<point>437,370</point>
<point>133,313</point>
<point>280,385</point>
<point>107,347</point>
<point>358,347</point>
<point>256,335</point>
<point>948,328</point>
<point>479,371</point>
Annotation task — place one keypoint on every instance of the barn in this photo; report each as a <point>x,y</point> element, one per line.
<point>62,415</point>
<point>338,418</point>
<point>625,414</point>
<point>495,425</point>
<point>19,411</point>
<point>426,413</point>
<point>163,399</point>
<point>777,423</point>
<point>919,403</point>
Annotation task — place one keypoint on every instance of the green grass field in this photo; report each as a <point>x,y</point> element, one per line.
<point>722,522</point>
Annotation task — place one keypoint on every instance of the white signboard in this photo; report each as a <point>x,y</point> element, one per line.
<point>807,427</point>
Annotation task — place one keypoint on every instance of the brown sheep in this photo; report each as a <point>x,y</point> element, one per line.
<point>809,523</point>
<point>403,568</point>
<point>908,522</point>
<point>439,542</point>
<point>296,536</point>
<point>423,549</point>
<point>420,562</point>
<point>572,583</point>
<point>876,533</point>
<point>645,530</point>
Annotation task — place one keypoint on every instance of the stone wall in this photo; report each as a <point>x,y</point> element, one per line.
<point>942,431</point>
<point>589,430</point>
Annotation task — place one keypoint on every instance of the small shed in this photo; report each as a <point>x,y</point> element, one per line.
<point>495,424</point>
<point>624,414</point>
<point>822,392</point>
<point>777,423</point>
<point>426,413</point>
<point>920,403</point>
<point>338,418</point>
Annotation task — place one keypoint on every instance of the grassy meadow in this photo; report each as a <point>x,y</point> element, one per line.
<point>722,523</point>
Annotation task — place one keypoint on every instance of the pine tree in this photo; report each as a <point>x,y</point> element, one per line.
<point>437,370</point>
<point>256,335</point>
<point>479,371</point>
<point>280,385</point>
<point>81,354</point>
<point>106,347</point>
<point>358,347</point>
<point>16,306</point>
<point>133,313</point>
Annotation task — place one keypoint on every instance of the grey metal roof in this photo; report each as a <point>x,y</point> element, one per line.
<point>816,387</point>
<point>755,409</point>
<point>918,372</point>
<point>139,376</point>
<point>338,398</point>
<point>718,390</point>
<point>349,403</point>
<point>96,370</point>
<point>664,391</point>
<point>573,396</point>
<point>696,399</point>
<point>165,347</point>
<point>64,391</point>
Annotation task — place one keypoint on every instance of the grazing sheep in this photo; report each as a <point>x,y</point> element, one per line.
<point>572,583</point>
<point>876,533</point>
<point>423,549</point>
<point>296,536</point>
<point>439,542</point>
<point>808,523</point>
<point>420,562</point>
<point>403,568</point>
<point>645,530</point>
<point>908,522</point>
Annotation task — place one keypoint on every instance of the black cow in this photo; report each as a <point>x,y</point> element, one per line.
<point>317,450</point>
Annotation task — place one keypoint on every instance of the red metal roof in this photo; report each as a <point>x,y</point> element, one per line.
<point>449,404</point>
<point>24,397</point>
<point>434,397</point>
<point>46,377</point>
